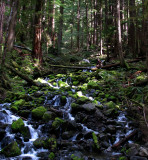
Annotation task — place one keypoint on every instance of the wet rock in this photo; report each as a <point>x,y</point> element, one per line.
<point>38,112</point>
<point>99,115</point>
<point>89,107</point>
<point>82,100</point>
<point>105,144</point>
<point>16,125</point>
<point>24,113</point>
<point>143,151</point>
<point>48,115</point>
<point>26,133</point>
<point>11,150</point>
<point>38,94</point>
<point>70,125</point>
<point>133,151</point>
<point>57,123</point>
<point>137,158</point>
<point>111,129</point>
<point>2,133</point>
<point>111,112</point>
<point>67,135</point>
<point>88,135</point>
<point>39,143</point>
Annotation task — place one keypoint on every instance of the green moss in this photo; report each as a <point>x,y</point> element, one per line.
<point>73,157</point>
<point>57,122</point>
<point>123,158</point>
<point>51,156</point>
<point>62,84</point>
<point>51,144</point>
<point>19,102</point>
<point>38,143</point>
<point>111,104</point>
<point>92,85</point>
<point>14,108</point>
<point>82,100</point>
<point>74,105</point>
<point>75,83</point>
<point>95,139</point>
<point>11,150</point>
<point>16,125</point>
<point>48,116</point>
<point>38,112</point>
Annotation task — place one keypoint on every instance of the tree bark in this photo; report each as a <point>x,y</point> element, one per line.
<point>37,45</point>
<point>119,44</point>
<point>78,26</point>
<point>60,29</point>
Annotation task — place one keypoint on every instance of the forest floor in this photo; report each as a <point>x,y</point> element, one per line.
<point>115,85</point>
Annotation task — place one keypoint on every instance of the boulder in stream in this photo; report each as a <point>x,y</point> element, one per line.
<point>38,112</point>
<point>11,150</point>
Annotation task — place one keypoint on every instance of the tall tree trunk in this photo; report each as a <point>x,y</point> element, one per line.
<point>11,30</point>
<point>87,27</point>
<point>2,11</point>
<point>78,26</point>
<point>37,46</point>
<point>101,27</point>
<point>60,28</point>
<point>132,38</point>
<point>119,44</point>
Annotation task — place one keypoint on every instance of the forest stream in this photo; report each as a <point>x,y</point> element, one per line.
<point>65,127</point>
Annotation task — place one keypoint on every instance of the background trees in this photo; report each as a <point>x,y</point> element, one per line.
<point>75,25</point>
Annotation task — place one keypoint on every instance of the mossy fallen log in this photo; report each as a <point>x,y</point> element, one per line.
<point>26,78</point>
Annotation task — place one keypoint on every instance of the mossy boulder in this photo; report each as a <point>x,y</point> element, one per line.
<point>57,123</point>
<point>38,112</point>
<point>51,144</point>
<point>51,156</point>
<point>75,83</point>
<point>39,143</point>
<point>11,150</point>
<point>24,113</point>
<point>17,125</point>
<point>26,133</point>
<point>15,105</point>
<point>48,115</point>
<point>111,104</point>
<point>93,85</point>
<point>82,100</point>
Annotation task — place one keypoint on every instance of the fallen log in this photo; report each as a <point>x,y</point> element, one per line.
<point>27,79</point>
<point>21,47</point>
<point>120,142</point>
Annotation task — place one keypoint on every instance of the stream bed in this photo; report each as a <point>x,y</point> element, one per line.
<point>70,129</point>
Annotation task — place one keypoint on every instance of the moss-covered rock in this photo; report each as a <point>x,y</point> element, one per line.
<point>14,108</point>
<point>93,85</point>
<point>48,116</point>
<point>75,83</point>
<point>15,105</point>
<point>57,122</point>
<point>51,156</point>
<point>25,132</point>
<point>11,150</point>
<point>74,105</point>
<point>39,143</point>
<point>82,100</point>
<point>17,125</point>
<point>38,112</point>
<point>111,104</point>
<point>51,144</point>
<point>62,84</point>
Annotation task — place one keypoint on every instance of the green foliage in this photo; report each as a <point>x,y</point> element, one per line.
<point>73,157</point>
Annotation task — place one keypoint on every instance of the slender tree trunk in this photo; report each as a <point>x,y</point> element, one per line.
<point>78,26</point>
<point>87,27</point>
<point>101,27</point>
<point>60,28</point>
<point>37,46</point>
<point>119,44</point>
<point>11,30</point>
<point>2,11</point>
<point>132,38</point>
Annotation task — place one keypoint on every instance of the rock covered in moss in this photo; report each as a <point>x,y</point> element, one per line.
<point>15,105</point>
<point>50,143</point>
<point>51,156</point>
<point>38,112</point>
<point>111,104</point>
<point>39,143</point>
<point>57,122</point>
<point>11,150</point>
<point>48,115</point>
<point>63,99</point>
<point>17,125</point>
